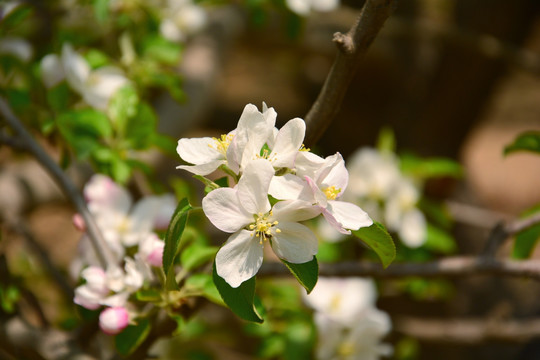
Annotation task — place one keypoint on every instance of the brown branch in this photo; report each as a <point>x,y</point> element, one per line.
<point>102,251</point>
<point>501,232</point>
<point>449,267</point>
<point>352,47</point>
<point>468,331</point>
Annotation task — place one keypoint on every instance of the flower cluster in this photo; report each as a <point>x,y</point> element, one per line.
<point>278,184</point>
<point>389,196</point>
<point>349,324</point>
<point>128,233</point>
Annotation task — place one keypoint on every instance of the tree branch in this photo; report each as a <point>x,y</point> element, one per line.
<point>468,331</point>
<point>501,232</point>
<point>352,47</point>
<point>102,250</point>
<point>448,267</point>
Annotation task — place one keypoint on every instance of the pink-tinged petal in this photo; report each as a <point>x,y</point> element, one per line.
<point>294,210</point>
<point>198,151</point>
<point>288,142</point>
<point>96,279</point>
<point>295,242</point>
<point>103,194</point>
<point>78,222</point>
<point>223,209</point>
<point>240,258</point>
<point>317,195</point>
<point>252,188</point>
<point>113,320</point>
<point>87,297</point>
<point>118,299</point>
<point>289,187</point>
<point>335,174</point>
<point>413,228</point>
<point>334,223</point>
<point>349,215</point>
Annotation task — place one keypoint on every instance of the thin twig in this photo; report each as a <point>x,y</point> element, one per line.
<point>502,231</point>
<point>457,266</point>
<point>102,250</point>
<point>468,331</point>
<point>352,47</point>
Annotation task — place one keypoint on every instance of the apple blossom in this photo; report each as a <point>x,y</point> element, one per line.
<point>303,7</point>
<point>113,320</point>
<point>246,212</point>
<point>323,186</point>
<point>181,18</point>
<point>119,221</point>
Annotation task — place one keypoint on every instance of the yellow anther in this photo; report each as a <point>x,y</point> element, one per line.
<point>222,144</point>
<point>278,231</point>
<point>331,192</point>
<point>304,148</point>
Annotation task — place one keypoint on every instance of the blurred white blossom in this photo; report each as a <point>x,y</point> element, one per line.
<point>181,18</point>
<point>304,7</point>
<point>16,47</point>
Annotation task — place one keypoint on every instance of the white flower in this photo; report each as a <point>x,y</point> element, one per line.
<point>402,216</point>
<point>117,219</point>
<point>360,341</point>
<point>95,86</point>
<point>17,47</point>
<point>246,212</point>
<point>323,187</point>
<point>343,300</point>
<point>303,7</point>
<point>182,18</point>
<point>349,325</point>
<point>245,143</point>
<point>113,320</point>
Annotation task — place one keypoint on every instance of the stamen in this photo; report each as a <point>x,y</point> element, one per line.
<point>222,144</point>
<point>331,192</point>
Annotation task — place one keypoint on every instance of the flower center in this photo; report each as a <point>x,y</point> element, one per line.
<point>331,192</point>
<point>262,227</point>
<point>222,144</point>
<point>346,348</point>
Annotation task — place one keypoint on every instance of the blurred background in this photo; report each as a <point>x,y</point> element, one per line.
<point>452,78</point>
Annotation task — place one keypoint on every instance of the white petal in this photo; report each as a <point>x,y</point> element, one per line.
<point>223,209</point>
<point>295,243</point>
<point>52,71</point>
<point>349,215</point>
<point>76,68</point>
<point>198,151</point>
<point>335,175</point>
<point>102,84</point>
<point>17,47</point>
<point>294,210</point>
<point>301,7</point>
<point>318,196</point>
<point>331,219</point>
<point>240,258</point>
<point>252,188</point>
<point>288,187</point>
<point>203,169</point>
<point>307,163</point>
<point>87,297</point>
<point>288,142</point>
<point>413,228</point>
<point>324,5</point>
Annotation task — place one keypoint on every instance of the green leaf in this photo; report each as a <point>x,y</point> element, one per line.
<point>162,50</point>
<point>101,9</point>
<point>173,239</point>
<point>205,284</point>
<point>306,273</point>
<point>57,97</point>
<point>141,127</point>
<point>439,240</point>
<point>196,255</point>
<point>164,143</point>
<point>96,58</point>
<point>240,299</point>
<point>378,239</point>
<point>430,167</point>
<point>85,122</point>
<point>149,295</point>
<point>525,242</point>
<point>122,106</point>
<point>120,169</point>
<point>527,141</point>
<point>128,340</point>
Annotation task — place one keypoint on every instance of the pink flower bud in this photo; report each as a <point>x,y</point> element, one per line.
<point>155,258</point>
<point>113,320</point>
<point>79,223</point>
